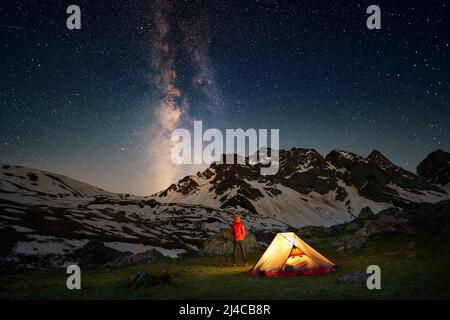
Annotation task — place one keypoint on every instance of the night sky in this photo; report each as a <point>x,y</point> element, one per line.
<point>87,103</point>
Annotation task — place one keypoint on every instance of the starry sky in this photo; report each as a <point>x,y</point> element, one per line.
<point>97,104</point>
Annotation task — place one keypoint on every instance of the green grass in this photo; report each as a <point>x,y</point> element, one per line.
<point>412,268</point>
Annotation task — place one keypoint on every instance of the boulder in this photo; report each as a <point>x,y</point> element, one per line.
<point>387,224</point>
<point>95,252</point>
<point>349,244</point>
<point>378,225</point>
<point>355,277</point>
<point>222,244</point>
<point>149,256</point>
<point>382,225</point>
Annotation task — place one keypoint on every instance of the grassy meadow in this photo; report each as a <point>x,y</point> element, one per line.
<point>411,268</point>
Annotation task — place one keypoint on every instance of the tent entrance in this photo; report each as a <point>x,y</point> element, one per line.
<point>295,252</point>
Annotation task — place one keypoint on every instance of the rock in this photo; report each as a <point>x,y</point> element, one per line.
<point>362,233</point>
<point>265,237</point>
<point>341,194</point>
<point>349,244</point>
<point>379,225</point>
<point>95,252</point>
<point>146,280</point>
<point>384,224</point>
<point>352,227</point>
<point>149,256</point>
<point>341,250</point>
<point>355,277</point>
<point>365,213</point>
<point>222,244</point>
<point>313,232</point>
<point>387,224</point>
<point>354,244</point>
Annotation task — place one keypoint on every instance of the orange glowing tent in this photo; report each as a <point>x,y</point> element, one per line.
<point>288,255</point>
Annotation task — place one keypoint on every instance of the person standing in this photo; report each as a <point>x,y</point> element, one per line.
<point>238,233</point>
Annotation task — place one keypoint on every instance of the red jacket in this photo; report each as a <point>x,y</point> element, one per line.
<point>237,229</point>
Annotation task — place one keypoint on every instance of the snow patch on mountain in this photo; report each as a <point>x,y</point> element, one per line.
<point>417,196</point>
<point>45,245</point>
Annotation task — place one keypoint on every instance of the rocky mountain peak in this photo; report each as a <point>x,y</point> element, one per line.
<point>376,155</point>
<point>435,168</point>
<point>380,160</point>
<point>297,160</point>
<point>342,159</point>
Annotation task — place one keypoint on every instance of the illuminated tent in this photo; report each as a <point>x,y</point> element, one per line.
<point>288,255</point>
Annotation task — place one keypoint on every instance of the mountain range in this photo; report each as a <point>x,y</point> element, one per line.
<point>46,216</point>
<point>310,189</point>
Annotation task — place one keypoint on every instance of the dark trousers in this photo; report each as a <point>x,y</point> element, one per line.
<point>239,243</point>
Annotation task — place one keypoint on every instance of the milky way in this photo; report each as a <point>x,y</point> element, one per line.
<point>170,108</point>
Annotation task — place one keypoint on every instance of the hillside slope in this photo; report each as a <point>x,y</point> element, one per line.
<point>45,217</point>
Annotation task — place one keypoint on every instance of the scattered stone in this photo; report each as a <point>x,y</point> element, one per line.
<point>355,277</point>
